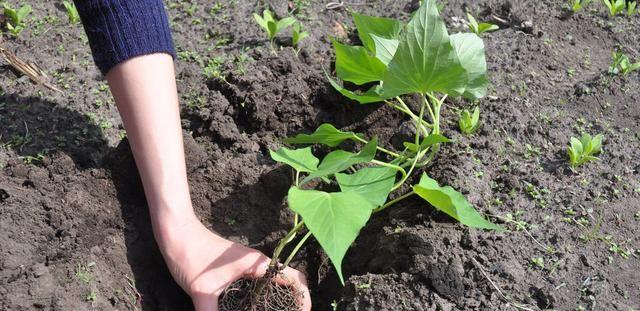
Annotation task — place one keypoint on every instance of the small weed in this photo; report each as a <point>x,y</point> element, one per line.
<point>298,35</point>
<point>479,28</point>
<point>72,12</point>
<point>469,123</point>
<point>16,22</point>
<point>583,150</point>
<point>538,262</point>
<point>577,5</point>
<point>83,272</point>
<point>622,64</point>
<point>214,68</point>
<point>615,6</point>
<point>272,26</point>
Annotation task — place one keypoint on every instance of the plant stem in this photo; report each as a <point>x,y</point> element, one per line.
<point>394,201</point>
<point>395,167</point>
<point>418,120</point>
<point>296,249</point>
<point>283,242</point>
<point>389,152</point>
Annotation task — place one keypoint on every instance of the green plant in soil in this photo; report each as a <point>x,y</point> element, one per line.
<point>273,26</point>
<point>297,35</point>
<point>632,8</point>
<point>479,28</point>
<point>622,64</point>
<point>334,198</point>
<point>72,12</point>
<point>16,22</point>
<point>615,6</point>
<point>577,5</point>
<point>583,150</point>
<point>468,122</point>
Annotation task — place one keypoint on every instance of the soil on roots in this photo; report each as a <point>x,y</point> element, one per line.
<point>263,294</point>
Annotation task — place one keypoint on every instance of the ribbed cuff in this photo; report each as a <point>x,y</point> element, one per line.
<point>121,29</point>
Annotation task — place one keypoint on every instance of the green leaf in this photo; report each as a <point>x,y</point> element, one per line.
<point>334,219</point>
<point>325,134</point>
<point>261,21</point>
<point>373,95</point>
<point>576,145</point>
<point>429,141</point>
<point>285,22</point>
<point>487,27</point>
<point>385,48</point>
<point>373,183</point>
<point>355,64</point>
<point>273,29</point>
<point>425,60</point>
<point>23,12</point>
<point>469,49</point>
<point>340,160</point>
<point>302,160</point>
<point>451,202</point>
<point>379,26</point>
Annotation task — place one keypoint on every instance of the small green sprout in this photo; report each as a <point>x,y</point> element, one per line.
<point>622,64</point>
<point>479,28</point>
<point>72,12</point>
<point>16,22</point>
<point>469,123</point>
<point>632,8</point>
<point>583,150</point>
<point>298,35</point>
<point>271,25</point>
<point>577,5</point>
<point>538,262</point>
<point>615,6</point>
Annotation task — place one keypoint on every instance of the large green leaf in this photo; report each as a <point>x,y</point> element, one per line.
<point>340,160</point>
<point>302,160</point>
<point>425,60</point>
<point>325,134</point>
<point>385,48</point>
<point>373,95</point>
<point>334,219</point>
<point>355,64</point>
<point>379,26</point>
<point>469,49</point>
<point>451,202</point>
<point>373,183</point>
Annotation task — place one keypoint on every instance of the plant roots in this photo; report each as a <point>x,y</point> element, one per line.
<point>262,294</point>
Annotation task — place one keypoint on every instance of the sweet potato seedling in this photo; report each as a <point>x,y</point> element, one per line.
<point>419,58</point>
<point>72,12</point>
<point>272,26</point>
<point>622,64</point>
<point>583,150</point>
<point>632,8</point>
<point>468,122</point>
<point>334,197</point>
<point>479,28</point>
<point>16,22</point>
<point>615,6</point>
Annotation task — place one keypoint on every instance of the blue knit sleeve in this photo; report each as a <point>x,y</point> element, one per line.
<point>122,29</point>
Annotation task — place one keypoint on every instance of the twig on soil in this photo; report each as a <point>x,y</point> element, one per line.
<point>338,4</point>
<point>29,69</point>
<point>132,288</point>
<point>516,305</point>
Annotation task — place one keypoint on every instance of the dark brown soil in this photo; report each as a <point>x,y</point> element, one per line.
<point>74,228</point>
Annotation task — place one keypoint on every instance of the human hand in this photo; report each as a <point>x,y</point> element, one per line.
<point>204,264</point>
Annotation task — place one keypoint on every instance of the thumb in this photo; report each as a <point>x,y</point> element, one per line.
<point>205,303</point>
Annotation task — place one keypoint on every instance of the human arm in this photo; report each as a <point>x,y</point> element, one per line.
<point>141,77</point>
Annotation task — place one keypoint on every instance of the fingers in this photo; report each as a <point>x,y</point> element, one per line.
<point>299,280</point>
<point>205,303</point>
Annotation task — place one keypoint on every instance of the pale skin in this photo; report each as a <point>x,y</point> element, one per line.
<point>201,262</point>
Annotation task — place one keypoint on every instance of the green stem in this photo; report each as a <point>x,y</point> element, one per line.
<point>418,120</point>
<point>283,243</point>
<point>394,201</point>
<point>395,167</point>
<point>389,152</point>
<point>296,249</point>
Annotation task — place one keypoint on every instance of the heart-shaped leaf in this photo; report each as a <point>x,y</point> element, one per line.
<point>325,134</point>
<point>340,160</point>
<point>302,160</point>
<point>355,64</point>
<point>451,202</point>
<point>373,183</point>
<point>334,219</point>
<point>379,26</point>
